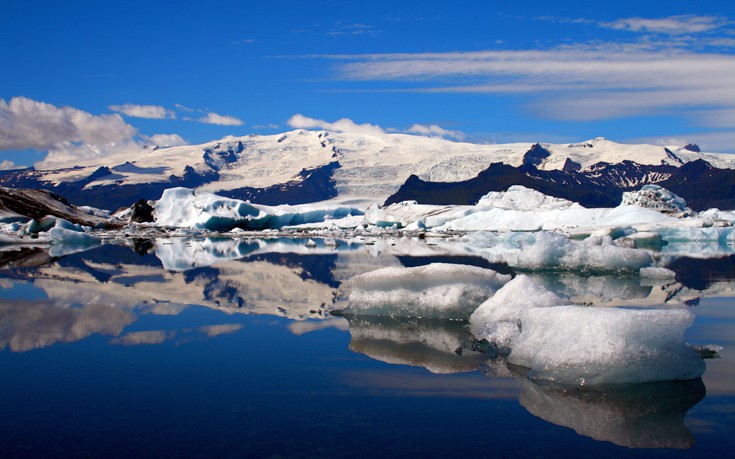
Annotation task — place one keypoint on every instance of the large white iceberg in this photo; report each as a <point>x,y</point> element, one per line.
<point>553,251</point>
<point>518,197</point>
<point>591,346</point>
<point>438,290</point>
<point>183,207</point>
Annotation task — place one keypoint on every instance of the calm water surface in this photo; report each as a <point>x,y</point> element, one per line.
<point>115,352</point>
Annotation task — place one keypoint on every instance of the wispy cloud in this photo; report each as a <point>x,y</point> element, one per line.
<point>580,82</point>
<point>434,130</point>
<point>143,111</point>
<point>345,28</point>
<point>672,25</point>
<point>221,120</point>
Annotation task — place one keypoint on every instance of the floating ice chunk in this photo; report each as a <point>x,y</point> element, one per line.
<point>438,290</point>
<point>654,197</point>
<point>554,251</point>
<point>717,214</point>
<point>649,415</point>
<point>183,207</point>
<point>68,238</point>
<point>498,319</point>
<point>519,197</point>
<point>657,273</point>
<point>592,346</point>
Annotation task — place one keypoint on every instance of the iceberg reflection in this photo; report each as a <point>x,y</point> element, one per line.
<point>647,415</point>
<point>439,345</point>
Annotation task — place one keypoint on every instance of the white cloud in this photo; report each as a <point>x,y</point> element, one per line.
<point>299,121</point>
<point>67,154</point>
<point>7,165</point>
<point>222,120</point>
<point>164,140</point>
<point>26,124</point>
<point>716,118</point>
<point>433,130</point>
<point>143,111</point>
<point>184,108</point>
<point>672,25</point>
<point>721,141</point>
<point>578,82</point>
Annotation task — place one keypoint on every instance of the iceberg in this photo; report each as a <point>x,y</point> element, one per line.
<point>68,238</point>
<point>546,250</point>
<point>592,346</point>
<point>438,290</point>
<point>654,197</point>
<point>186,208</point>
<point>498,319</point>
<point>518,197</point>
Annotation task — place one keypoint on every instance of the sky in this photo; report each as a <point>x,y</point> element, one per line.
<point>84,79</point>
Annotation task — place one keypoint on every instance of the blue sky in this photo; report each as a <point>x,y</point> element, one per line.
<point>90,78</point>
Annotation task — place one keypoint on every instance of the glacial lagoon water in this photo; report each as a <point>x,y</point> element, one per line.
<point>225,348</point>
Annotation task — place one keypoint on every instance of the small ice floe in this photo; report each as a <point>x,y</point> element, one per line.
<point>438,290</point>
<point>310,244</point>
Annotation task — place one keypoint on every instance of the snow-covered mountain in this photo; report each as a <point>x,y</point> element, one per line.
<point>353,168</point>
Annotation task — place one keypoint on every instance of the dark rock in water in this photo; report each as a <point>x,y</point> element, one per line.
<point>141,212</point>
<point>142,246</point>
<point>29,204</point>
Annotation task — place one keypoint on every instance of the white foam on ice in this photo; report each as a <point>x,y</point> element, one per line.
<point>591,346</point>
<point>498,319</point>
<point>438,290</point>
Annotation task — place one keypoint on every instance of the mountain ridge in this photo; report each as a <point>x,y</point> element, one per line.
<point>309,166</point>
